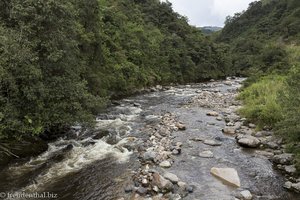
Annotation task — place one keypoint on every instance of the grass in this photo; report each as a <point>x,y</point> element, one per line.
<point>261,103</point>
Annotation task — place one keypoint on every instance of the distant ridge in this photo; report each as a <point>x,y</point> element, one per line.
<point>210,29</point>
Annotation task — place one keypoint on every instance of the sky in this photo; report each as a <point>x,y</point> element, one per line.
<point>209,12</point>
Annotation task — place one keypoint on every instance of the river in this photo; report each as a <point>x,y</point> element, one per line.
<point>97,164</point>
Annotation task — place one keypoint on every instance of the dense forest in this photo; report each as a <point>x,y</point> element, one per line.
<point>264,42</point>
<point>60,61</point>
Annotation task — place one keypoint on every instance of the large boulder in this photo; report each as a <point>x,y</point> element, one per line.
<point>228,175</point>
<point>248,141</point>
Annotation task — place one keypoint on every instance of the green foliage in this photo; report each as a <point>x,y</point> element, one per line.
<point>258,36</point>
<point>261,103</point>
<point>60,60</point>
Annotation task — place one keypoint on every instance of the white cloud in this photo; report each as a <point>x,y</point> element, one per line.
<point>209,12</point>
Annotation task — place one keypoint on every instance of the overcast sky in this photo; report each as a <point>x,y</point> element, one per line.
<point>209,12</point>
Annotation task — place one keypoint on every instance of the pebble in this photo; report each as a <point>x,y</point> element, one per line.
<point>230,131</point>
<point>206,154</point>
<point>175,152</point>
<point>165,164</point>
<point>246,194</point>
<point>190,189</point>
<point>212,113</point>
<point>219,118</point>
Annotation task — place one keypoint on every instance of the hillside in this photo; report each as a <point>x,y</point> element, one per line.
<point>257,35</point>
<point>264,43</point>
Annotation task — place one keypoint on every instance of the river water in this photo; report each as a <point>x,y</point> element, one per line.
<point>97,164</point>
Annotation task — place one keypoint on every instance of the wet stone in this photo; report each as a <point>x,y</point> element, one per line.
<point>206,154</point>
<point>284,159</point>
<point>246,195</point>
<point>165,164</point>
<point>212,113</point>
<point>190,188</point>
<point>141,191</point>
<point>212,143</point>
<point>171,177</point>
<point>129,188</point>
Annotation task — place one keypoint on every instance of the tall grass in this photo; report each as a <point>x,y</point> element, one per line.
<point>261,103</point>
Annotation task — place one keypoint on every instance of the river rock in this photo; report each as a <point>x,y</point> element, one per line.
<point>296,187</point>
<point>290,169</point>
<point>161,182</point>
<point>219,118</point>
<point>165,164</point>
<point>129,188</point>
<point>251,125</point>
<point>229,131</point>
<point>212,113</point>
<point>182,185</point>
<point>141,191</point>
<point>288,185</point>
<point>248,141</point>
<point>180,126</point>
<point>206,154</point>
<point>171,177</point>
<point>145,182</point>
<point>265,153</point>
<point>283,159</point>
<point>198,139</point>
<point>272,145</point>
<point>212,143</point>
<point>137,104</point>
<point>229,175</point>
<point>190,188</point>
<point>149,155</point>
<point>100,134</point>
<point>246,195</point>
<point>175,152</point>
<point>174,197</point>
